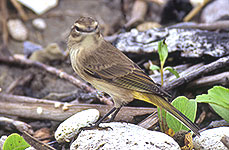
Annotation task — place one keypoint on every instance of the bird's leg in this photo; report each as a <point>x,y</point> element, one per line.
<point>114,115</point>
<point>96,125</point>
<point>105,116</point>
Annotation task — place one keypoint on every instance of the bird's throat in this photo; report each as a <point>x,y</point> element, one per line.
<point>89,42</point>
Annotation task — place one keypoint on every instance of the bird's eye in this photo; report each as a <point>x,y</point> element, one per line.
<point>96,26</point>
<point>77,28</point>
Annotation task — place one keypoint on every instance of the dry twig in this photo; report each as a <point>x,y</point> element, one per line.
<point>150,121</point>
<point>5,35</point>
<point>21,81</point>
<point>225,141</point>
<point>20,10</point>
<point>34,142</point>
<point>21,126</point>
<point>195,10</point>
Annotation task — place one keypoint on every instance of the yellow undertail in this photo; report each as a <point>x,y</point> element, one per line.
<point>162,103</point>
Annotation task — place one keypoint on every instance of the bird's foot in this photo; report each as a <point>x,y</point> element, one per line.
<point>95,126</point>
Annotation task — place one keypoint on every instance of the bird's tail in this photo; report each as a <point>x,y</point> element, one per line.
<point>162,103</point>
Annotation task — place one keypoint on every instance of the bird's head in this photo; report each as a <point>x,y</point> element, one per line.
<point>85,25</point>
<point>83,28</point>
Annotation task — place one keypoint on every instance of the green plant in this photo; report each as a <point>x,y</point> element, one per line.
<point>218,99</point>
<point>187,107</point>
<point>163,54</point>
<point>15,142</point>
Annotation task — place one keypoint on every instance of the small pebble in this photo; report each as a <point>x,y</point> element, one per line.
<point>70,127</point>
<point>17,30</point>
<point>39,24</point>
<point>39,110</point>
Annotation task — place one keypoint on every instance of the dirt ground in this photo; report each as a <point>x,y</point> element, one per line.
<point>59,21</point>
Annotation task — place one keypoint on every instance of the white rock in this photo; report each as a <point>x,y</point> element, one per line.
<point>39,24</point>
<point>39,6</point>
<point>30,148</point>
<point>17,29</point>
<point>2,140</point>
<point>210,139</point>
<point>123,136</point>
<point>70,127</point>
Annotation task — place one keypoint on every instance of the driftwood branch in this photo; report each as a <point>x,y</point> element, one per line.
<point>45,109</point>
<point>221,78</point>
<point>202,70</point>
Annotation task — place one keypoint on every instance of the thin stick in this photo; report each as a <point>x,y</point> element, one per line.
<point>5,35</point>
<point>195,10</point>
<point>20,10</point>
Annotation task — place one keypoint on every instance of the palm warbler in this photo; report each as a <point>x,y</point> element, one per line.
<point>109,70</point>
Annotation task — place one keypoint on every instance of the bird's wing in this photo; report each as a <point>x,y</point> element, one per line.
<point>117,69</point>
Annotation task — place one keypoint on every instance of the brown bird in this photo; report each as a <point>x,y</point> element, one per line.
<point>109,70</point>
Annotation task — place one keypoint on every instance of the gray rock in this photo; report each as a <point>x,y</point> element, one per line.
<point>17,30</point>
<point>30,47</point>
<point>123,136</point>
<point>215,11</point>
<point>210,139</point>
<point>70,127</point>
<point>189,42</point>
<point>51,53</point>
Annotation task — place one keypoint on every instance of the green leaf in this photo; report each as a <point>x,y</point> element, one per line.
<point>15,142</point>
<point>218,98</point>
<point>223,112</point>
<point>162,51</point>
<point>185,106</point>
<point>154,67</point>
<point>173,71</point>
<point>217,95</point>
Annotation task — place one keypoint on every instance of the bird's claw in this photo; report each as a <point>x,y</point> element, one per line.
<point>91,127</point>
